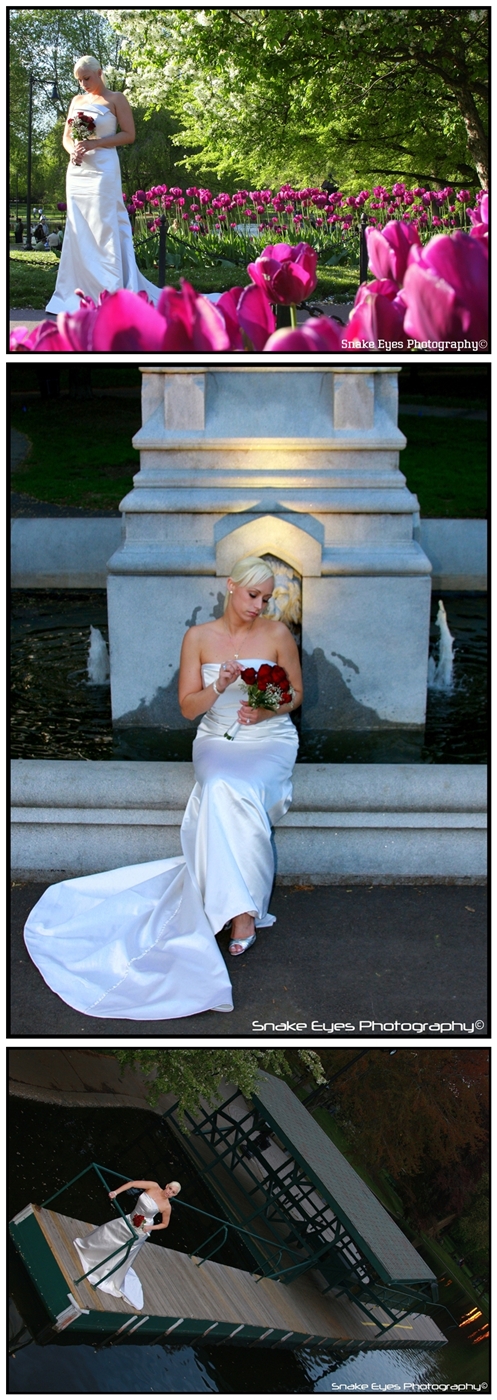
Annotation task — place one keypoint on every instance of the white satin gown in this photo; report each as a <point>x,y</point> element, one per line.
<point>97,251</point>
<point>94,1250</point>
<point>140,942</point>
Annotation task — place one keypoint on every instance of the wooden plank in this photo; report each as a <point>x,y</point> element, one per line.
<point>174,1286</point>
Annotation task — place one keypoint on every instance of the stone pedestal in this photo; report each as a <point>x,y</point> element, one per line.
<point>301,463</point>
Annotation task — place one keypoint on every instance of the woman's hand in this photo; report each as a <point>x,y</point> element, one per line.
<point>147,1228</point>
<point>112,1194</point>
<point>247,715</point>
<point>228,672</point>
<point>80,150</point>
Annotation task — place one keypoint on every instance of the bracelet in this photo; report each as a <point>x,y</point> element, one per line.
<point>214,687</point>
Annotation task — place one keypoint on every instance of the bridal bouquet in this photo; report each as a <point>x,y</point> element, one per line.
<point>267,689</point>
<point>82,126</point>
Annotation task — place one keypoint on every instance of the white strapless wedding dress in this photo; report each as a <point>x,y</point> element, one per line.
<point>94,1250</point>
<point>140,942</point>
<point>97,251</point>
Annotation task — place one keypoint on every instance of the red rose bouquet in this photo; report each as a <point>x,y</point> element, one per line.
<point>267,689</point>
<point>138,1220</point>
<point>82,126</point>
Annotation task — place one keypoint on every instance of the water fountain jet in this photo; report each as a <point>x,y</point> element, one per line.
<point>440,672</point>
<point>98,659</point>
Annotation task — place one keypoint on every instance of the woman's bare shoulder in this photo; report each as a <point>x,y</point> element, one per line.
<point>195,636</point>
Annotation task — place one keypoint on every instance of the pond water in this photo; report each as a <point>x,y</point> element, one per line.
<point>49,1145</point>
<point>55,713</point>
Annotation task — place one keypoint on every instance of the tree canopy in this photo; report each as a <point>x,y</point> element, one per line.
<point>272,94</point>
<point>47,42</point>
<point>195,1074</point>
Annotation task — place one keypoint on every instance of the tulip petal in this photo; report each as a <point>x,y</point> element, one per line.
<point>124,322</point>
<point>255,316</point>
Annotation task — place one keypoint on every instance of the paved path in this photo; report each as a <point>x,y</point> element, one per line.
<point>373,954</point>
<point>78,1079</point>
<point>30,316</point>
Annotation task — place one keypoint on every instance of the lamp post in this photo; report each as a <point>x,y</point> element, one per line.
<point>54,97</point>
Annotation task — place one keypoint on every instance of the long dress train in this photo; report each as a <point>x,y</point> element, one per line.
<point>94,1249</point>
<point>97,251</point>
<point>139,942</point>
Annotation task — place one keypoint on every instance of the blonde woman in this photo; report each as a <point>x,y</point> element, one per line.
<point>115,1274</point>
<point>140,942</point>
<point>97,252</point>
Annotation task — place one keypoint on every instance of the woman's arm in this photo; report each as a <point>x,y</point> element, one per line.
<point>67,140</point>
<point>146,1185</point>
<point>165,1218</point>
<point>193,698</point>
<point>288,657</point>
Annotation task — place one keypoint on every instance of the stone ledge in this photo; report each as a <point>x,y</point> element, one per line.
<point>369,822</point>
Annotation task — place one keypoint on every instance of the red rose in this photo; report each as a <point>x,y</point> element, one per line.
<point>279,675</point>
<point>138,1220</point>
<point>248,675</point>
<point>262,681</point>
<point>265,671</point>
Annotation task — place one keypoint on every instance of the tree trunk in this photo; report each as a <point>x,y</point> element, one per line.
<point>477,141</point>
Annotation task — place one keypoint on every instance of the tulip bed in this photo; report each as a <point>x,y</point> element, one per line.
<point>213,224</point>
<point>423,296</point>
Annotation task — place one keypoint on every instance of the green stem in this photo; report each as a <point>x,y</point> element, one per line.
<point>293,314</point>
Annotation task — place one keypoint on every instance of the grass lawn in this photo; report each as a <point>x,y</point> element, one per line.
<point>81,453</point>
<point>445,463</point>
<point>33,277</point>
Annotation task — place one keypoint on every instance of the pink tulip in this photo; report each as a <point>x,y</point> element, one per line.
<point>255,316</point>
<point>388,250</point>
<point>446,289</point>
<point>319,335</point>
<point>479,219</point>
<point>193,323</point>
<point>376,323</point>
<point>126,322</point>
<point>286,274</point>
<point>383,287</point>
<point>227,306</point>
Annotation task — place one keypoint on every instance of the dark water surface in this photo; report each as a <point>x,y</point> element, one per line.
<point>49,1145</point>
<point>56,714</point>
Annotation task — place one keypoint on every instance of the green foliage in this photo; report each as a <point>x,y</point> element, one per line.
<point>272,94</point>
<point>48,42</point>
<point>196,1074</point>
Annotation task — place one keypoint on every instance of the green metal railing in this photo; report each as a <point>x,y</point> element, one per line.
<point>224,1226</point>
<point>94,1166</point>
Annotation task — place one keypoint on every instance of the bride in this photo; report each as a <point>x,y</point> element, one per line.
<point>97,251</point>
<point>108,1253</point>
<point>140,942</point>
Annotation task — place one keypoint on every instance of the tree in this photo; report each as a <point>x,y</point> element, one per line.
<point>435,1100</point>
<point>196,1074</point>
<point>47,42</point>
<point>265,94</point>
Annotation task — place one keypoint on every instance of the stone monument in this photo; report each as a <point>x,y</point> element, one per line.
<point>299,463</point>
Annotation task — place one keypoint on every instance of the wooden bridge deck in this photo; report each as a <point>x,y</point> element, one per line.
<point>174,1286</point>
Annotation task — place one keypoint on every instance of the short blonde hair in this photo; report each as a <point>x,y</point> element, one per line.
<point>87,62</point>
<point>251,569</point>
<point>176,1185</point>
